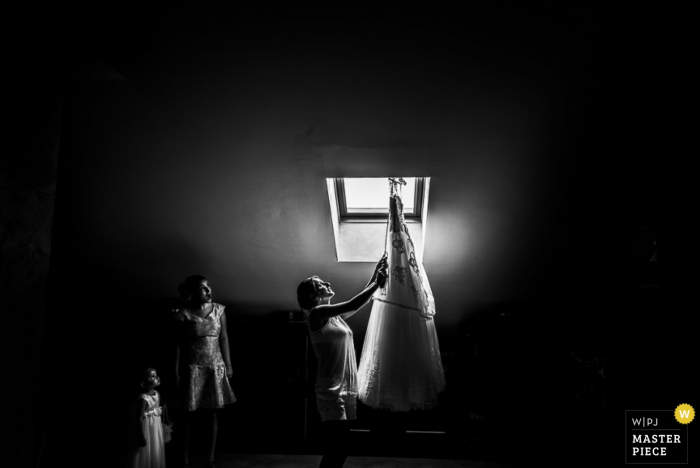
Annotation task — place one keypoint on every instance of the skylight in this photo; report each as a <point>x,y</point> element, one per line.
<point>359,212</point>
<point>369,197</point>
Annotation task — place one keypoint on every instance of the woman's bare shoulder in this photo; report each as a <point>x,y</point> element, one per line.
<point>317,320</point>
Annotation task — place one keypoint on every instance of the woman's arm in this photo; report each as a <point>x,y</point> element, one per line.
<point>165,417</point>
<point>326,311</point>
<point>223,344</point>
<point>379,269</point>
<point>319,314</point>
<point>176,334</point>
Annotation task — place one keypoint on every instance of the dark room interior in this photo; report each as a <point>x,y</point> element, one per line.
<point>145,144</point>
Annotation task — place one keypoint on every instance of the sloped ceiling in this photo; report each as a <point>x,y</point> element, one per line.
<point>210,156</point>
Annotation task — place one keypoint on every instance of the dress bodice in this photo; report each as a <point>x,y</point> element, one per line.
<point>153,407</point>
<point>198,327</point>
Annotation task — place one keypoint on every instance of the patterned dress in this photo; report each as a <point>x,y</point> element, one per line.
<point>203,381</point>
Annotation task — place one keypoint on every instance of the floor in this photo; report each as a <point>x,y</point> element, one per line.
<point>312,461</point>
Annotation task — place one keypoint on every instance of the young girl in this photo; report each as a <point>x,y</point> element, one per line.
<point>148,446</point>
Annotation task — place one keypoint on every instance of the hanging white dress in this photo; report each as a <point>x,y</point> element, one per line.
<point>401,368</point>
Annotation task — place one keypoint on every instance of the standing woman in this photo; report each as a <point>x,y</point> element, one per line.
<point>203,362</point>
<point>331,338</point>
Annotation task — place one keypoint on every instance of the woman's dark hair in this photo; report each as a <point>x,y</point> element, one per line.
<point>306,294</point>
<point>190,286</point>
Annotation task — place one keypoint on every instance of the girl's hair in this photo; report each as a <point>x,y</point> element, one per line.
<point>190,286</point>
<point>306,293</point>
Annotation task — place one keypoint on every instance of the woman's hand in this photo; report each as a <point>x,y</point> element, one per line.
<point>380,272</point>
<point>382,266</point>
<point>382,276</point>
<point>229,371</point>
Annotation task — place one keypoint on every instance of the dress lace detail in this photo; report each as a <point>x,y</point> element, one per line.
<point>154,412</point>
<point>401,367</point>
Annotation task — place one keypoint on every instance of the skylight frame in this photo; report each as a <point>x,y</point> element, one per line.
<point>377,214</point>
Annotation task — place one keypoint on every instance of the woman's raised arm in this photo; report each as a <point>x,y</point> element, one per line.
<point>323,312</point>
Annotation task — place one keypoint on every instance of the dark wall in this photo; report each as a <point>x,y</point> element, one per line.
<point>211,155</point>
<point>30,140</point>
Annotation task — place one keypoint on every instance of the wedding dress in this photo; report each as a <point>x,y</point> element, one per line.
<point>400,367</point>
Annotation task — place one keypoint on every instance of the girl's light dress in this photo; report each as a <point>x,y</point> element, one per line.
<point>153,454</point>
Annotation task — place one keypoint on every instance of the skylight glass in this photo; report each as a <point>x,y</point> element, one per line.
<point>370,195</point>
